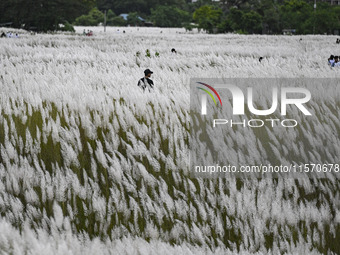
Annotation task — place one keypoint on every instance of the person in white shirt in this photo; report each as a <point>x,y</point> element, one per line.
<point>336,61</point>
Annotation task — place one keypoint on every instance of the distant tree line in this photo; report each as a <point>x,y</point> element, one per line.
<point>254,16</point>
<point>42,15</point>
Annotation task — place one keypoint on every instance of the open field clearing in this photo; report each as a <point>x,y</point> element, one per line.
<point>89,164</point>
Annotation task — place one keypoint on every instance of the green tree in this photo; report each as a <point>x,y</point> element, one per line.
<point>239,4</point>
<point>244,21</point>
<point>127,6</point>
<point>42,15</point>
<point>235,19</point>
<point>325,19</point>
<point>251,22</point>
<point>169,16</point>
<point>133,19</point>
<point>113,20</point>
<point>117,21</point>
<point>110,15</point>
<point>294,13</point>
<point>269,10</point>
<point>92,19</point>
<point>140,6</point>
<point>208,17</point>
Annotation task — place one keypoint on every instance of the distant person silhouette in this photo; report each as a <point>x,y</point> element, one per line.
<point>173,50</point>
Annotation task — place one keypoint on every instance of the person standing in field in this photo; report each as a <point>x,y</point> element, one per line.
<point>146,82</point>
<point>336,61</point>
<point>331,60</point>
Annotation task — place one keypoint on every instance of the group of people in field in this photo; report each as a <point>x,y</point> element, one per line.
<point>9,35</point>
<point>88,33</point>
<point>333,61</point>
<point>145,83</point>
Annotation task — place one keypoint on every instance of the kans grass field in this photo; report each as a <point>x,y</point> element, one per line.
<point>89,164</point>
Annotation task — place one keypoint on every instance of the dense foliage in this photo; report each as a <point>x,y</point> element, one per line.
<point>42,15</point>
<point>255,16</point>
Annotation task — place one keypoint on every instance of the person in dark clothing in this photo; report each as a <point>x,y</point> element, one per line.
<point>3,35</point>
<point>146,82</point>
